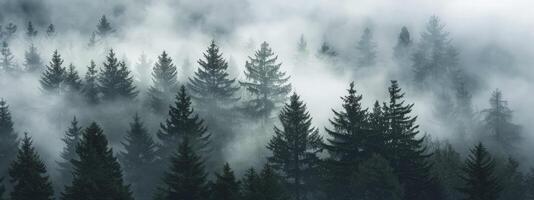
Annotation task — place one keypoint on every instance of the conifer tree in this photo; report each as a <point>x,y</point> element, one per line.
<point>366,49</point>
<point>226,187</point>
<point>403,50</point>
<point>92,40</point>
<point>139,159</point>
<point>211,85</point>
<point>51,31</point>
<point>302,45</point>
<point>376,180</point>
<point>164,84</point>
<point>266,83</point>
<point>479,177</point>
<point>446,165</point>
<point>90,87</point>
<point>9,32</point>
<point>326,50</point>
<point>72,82</point>
<point>271,185</point>
<point>33,62</point>
<point>2,189</point>
<point>497,121</point>
<point>104,29</point>
<point>529,185</point>
<point>8,139</point>
<point>251,185</point>
<point>143,68</point>
<point>7,60</point>
<point>294,148</point>
<point>54,75</point>
<point>28,174</point>
<point>186,178</point>
<point>182,123</point>
<point>97,173</point>
<point>512,181</point>
<point>115,81</point>
<point>71,140</point>
<point>405,149</point>
<point>30,31</point>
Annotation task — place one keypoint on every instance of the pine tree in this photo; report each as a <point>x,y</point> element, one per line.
<point>2,187</point>
<point>266,83</point>
<point>446,165</point>
<point>497,121</point>
<point>92,40</point>
<point>181,124</point>
<point>271,185</point>
<point>366,49</point>
<point>9,32</point>
<point>512,181</point>
<point>326,50</point>
<point>7,60</point>
<point>403,50</point>
<point>405,151</point>
<point>376,180</point>
<point>104,29</point>
<point>72,81</point>
<point>226,187</point>
<point>165,82</point>
<point>97,173</point>
<point>143,68</point>
<point>479,177</point>
<point>139,159</point>
<point>210,84</point>
<point>28,175</point>
<point>115,81</point>
<point>33,60</point>
<point>8,139</point>
<point>251,185</point>
<point>295,146</point>
<point>54,75</point>
<point>529,185</point>
<point>186,178</point>
<point>71,139</point>
<point>51,31</point>
<point>302,45</point>
<point>30,31</point>
<point>90,88</point>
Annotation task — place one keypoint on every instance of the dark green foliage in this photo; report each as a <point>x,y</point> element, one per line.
<point>8,139</point>
<point>403,50</point>
<point>512,181</point>
<point>7,60</point>
<point>446,165</point>
<point>294,148</point>
<point>139,160</point>
<point>115,81</point>
<point>33,62</point>
<point>376,180</point>
<point>267,185</point>
<point>480,182</point>
<point>2,189</point>
<point>90,87</point>
<point>54,75</point>
<point>181,124</point>
<point>251,185</point>
<point>28,174</point>
<point>51,31</point>
<point>211,85</point>
<point>497,121</point>
<point>366,49</point>
<point>186,178</point>
<point>104,29</point>
<point>97,173</point>
<point>266,83</point>
<point>529,185</point>
<point>326,50</point>
<point>71,139</point>
<point>30,31</point>
<point>225,187</point>
<point>165,83</point>
<point>72,82</point>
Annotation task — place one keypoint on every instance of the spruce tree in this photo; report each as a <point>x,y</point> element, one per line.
<point>8,139</point>
<point>144,68</point>
<point>90,87</point>
<point>266,83</point>
<point>529,185</point>
<point>497,121</point>
<point>139,160</point>
<point>226,187</point>
<point>72,82</point>
<point>115,81</point>
<point>512,181</point>
<point>181,124</point>
<point>376,180</point>
<point>30,31</point>
<point>165,83</point>
<point>403,50</point>
<point>302,45</point>
<point>51,31</point>
<point>366,49</point>
<point>210,84</point>
<point>405,148</point>
<point>104,29</point>
<point>92,40</point>
<point>326,50</point>
<point>294,148</point>
<point>97,173</point>
<point>71,140</point>
<point>446,165</point>
<point>54,75</point>
<point>251,185</point>
<point>479,177</point>
<point>271,185</point>
<point>9,32</point>
<point>7,60</point>
<point>186,178</point>
<point>28,175</point>
<point>2,187</point>
<point>33,62</point>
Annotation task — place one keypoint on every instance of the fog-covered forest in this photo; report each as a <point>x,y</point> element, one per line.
<point>266,100</point>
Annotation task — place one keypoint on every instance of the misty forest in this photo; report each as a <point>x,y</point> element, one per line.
<point>266,100</point>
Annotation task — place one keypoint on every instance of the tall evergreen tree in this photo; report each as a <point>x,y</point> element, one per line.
<point>446,165</point>
<point>97,173</point>
<point>8,139</point>
<point>54,75</point>
<point>104,28</point>
<point>115,81</point>
<point>251,185</point>
<point>9,32</point>
<point>479,177</point>
<point>226,187</point>
<point>28,175</point>
<point>327,50</point>
<point>71,140</point>
<point>186,178</point>
<point>143,67</point>
<point>2,189</point>
<point>30,31</point>
<point>33,62</point>
<point>295,146</point>
<point>512,181</point>
<point>403,50</point>
<point>7,60</point>
<point>211,85</point>
<point>51,31</point>
<point>497,121</point>
<point>376,180</point>
<point>529,185</point>
<point>72,82</point>
<point>182,123</point>
<point>302,45</point>
<point>165,83</point>
<point>90,87</point>
<point>266,83</point>
<point>366,49</point>
<point>271,185</point>
<point>139,160</point>
<point>405,151</point>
